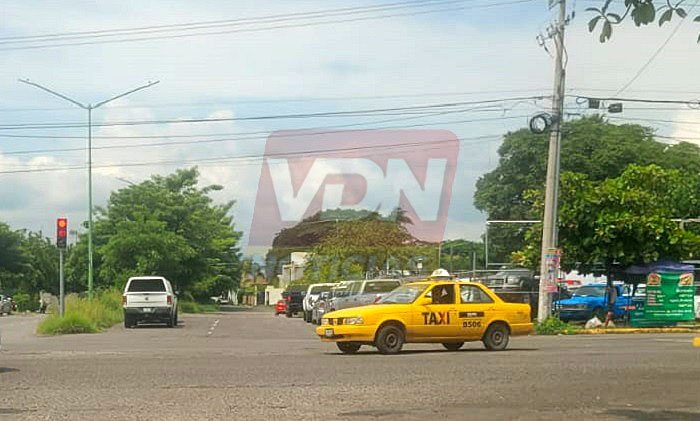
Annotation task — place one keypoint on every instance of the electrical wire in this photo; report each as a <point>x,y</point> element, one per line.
<point>353,113</point>
<point>222,23</point>
<point>257,157</point>
<point>655,54</point>
<point>297,133</point>
<point>273,27</point>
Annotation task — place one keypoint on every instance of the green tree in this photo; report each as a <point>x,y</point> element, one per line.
<point>590,146</point>
<point>642,12</point>
<point>370,244</point>
<point>624,220</point>
<point>164,226</point>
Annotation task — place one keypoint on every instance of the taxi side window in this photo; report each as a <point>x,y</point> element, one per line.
<point>473,294</point>
<point>443,294</point>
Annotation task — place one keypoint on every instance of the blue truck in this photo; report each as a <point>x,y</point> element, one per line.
<point>591,300</point>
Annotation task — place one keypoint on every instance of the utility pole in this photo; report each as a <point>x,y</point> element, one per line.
<point>88,108</point>
<point>549,228</point>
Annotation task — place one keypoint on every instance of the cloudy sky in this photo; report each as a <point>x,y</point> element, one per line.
<point>352,56</point>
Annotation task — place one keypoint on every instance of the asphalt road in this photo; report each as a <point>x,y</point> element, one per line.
<point>254,365</point>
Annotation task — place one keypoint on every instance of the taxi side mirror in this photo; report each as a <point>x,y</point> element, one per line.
<point>424,301</point>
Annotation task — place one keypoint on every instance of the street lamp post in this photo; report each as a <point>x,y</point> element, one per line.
<point>89,108</point>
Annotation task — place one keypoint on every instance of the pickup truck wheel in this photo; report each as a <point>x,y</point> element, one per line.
<point>496,337</point>
<point>129,321</point>
<point>452,346</point>
<point>348,347</point>
<point>171,321</point>
<point>288,313</point>
<point>390,339</point>
<point>175,323</point>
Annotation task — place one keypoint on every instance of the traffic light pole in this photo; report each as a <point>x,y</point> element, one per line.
<point>61,289</point>
<point>549,225</point>
<point>89,108</point>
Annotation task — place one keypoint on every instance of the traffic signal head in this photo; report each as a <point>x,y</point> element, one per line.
<point>62,232</point>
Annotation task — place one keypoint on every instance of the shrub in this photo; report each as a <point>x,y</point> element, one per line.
<point>70,323</point>
<point>554,326</point>
<point>188,307</point>
<point>84,315</point>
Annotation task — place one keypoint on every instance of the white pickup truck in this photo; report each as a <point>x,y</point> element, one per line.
<point>149,299</point>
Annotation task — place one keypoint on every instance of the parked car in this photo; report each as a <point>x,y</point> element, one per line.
<point>325,302</point>
<point>149,299</point>
<point>6,305</point>
<point>591,300</point>
<point>362,293</point>
<point>312,294</point>
<point>294,295</point>
<point>319,306</point>
<point>280,308</point>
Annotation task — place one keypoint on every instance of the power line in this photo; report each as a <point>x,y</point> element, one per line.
<point>273,27</point>
<point>354,113</point>
<point>222,23</point>
<point>302,133</point>
<point>283,100</point>
<point>257,157</point>
<point>655,54</point>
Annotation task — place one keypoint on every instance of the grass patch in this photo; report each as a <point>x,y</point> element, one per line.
<point>84,315</point>
<point>554,326</point>
<point>195,307</point>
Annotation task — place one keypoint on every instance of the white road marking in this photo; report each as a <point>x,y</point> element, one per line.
<point>212,327</point>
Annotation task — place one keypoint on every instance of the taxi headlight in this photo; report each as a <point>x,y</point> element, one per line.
<point>324,321</point>
<point>354,321</point>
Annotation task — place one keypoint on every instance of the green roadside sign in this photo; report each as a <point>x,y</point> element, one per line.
<point>669,297</point>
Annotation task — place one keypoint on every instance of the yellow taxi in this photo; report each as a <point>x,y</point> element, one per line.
<point>446,312</point>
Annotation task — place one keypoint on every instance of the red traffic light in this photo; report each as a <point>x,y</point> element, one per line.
<point>61,232</point>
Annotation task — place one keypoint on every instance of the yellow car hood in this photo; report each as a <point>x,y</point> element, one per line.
<point>369,310</point>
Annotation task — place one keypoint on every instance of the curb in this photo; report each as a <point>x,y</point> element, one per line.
<point>602,331</point>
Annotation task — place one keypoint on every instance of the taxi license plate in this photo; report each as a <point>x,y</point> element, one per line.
<point>147,309</point>
<point>329,333</point>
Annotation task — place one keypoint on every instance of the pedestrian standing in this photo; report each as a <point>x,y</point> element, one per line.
<point>612,299</point>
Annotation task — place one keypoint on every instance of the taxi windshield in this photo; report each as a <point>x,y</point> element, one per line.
<point>403,295</point>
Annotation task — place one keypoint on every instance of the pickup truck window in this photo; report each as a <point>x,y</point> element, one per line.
<point>379,286</point>
<point>590,292</point>
<point>319,289</point>
<point>147,285</point>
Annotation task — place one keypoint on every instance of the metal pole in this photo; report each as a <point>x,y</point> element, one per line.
<point>89,159</point>
<point>486,247</point>
<point>89,108</point>
<point>473,265</point>
<point>61,293</point>
<point>549,229</point>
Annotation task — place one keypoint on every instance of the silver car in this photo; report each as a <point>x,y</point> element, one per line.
<point>362,293</point>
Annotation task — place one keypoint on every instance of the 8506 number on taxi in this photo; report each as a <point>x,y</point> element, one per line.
<point>446,312</point>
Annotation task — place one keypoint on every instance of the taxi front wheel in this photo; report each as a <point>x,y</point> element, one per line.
<point>389,339</point>
<point>452,346</point>
<point>348,347</point>
<point>496,337</point>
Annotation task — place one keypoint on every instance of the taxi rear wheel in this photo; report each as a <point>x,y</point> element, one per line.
<point>452,346</point>
<point>390,339</point>
<point>496,337</point>
<point>348,347</point>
